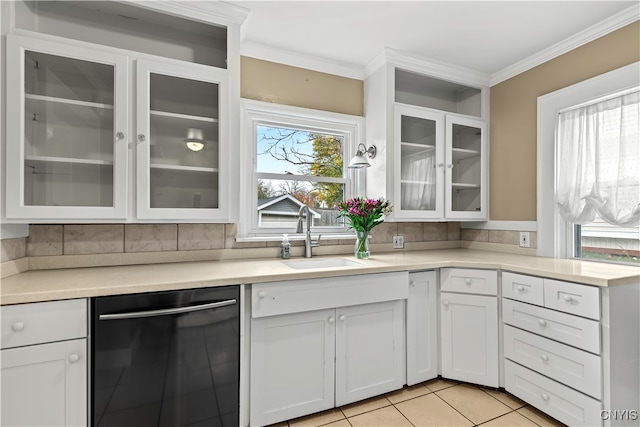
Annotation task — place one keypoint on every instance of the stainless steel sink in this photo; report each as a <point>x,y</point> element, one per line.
<point>304,264</point>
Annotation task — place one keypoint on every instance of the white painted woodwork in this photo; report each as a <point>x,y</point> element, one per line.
<point>575,368</point>
<point>572,330</point>
<point>28,324</point>
<point>269,299</point>
<point>422,327</point>
<point>369,353</point>
<point>292,366</point>
<point>523,288</point>
<point>561,402</point>
<point>45,384</point>
<point>471,281</point>
<point>572,298</point>
<point>469,338</point>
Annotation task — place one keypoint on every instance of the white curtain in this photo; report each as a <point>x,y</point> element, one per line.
<point>598,162</point>
<point>418,177</point>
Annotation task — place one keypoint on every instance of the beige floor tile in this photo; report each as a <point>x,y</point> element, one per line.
<point>473,403</point>
<point>407,393</point>
<point>365,406</point>
<point>512,419</point>
<point>506,398</point>
<point>283,424</point>
<point>430,410</point>
<point>539,418</point>
<point>319,419</point>
<point>439,384</point>
<point>384,417</point>
<point>341,423</point>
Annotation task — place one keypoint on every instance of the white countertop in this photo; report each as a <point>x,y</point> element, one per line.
<point>47,285</point>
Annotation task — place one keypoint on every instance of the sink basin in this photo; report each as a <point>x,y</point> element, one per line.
<point>304,264</point>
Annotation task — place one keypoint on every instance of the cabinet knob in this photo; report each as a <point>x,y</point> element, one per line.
<point>119,136</point>
<point>440,165</point>
<point>17,326</point>
<point>445,303</point>
<point>412,283</point>
<point>141,138</point>
<point>73,358</point>
<point>544,397</point>
<point>467,281</point>
<point>450,166</point>
<point>544,357</point>
<point>520,288</point>
<point>341,318</point>
<point>331,320</point>
<point>542,322</point>
<point>568,299</point>
<point>262,294</point>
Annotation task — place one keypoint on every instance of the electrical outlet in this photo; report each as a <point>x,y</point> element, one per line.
<point>524,239</point>
<point>398,242</point>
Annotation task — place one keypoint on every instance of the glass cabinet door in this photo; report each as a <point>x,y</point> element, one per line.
<point>67,136</point>
<point>466,173</point>
<point>179,140</point>
<point>419,162</point>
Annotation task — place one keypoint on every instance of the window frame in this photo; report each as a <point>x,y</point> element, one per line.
<point>555,235</point>
<point>258,113</point>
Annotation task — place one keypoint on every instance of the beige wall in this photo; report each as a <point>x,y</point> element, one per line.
<point>283,84</point>
<point>514,117</point>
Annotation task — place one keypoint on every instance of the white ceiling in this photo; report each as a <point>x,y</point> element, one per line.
<point>485,36</point>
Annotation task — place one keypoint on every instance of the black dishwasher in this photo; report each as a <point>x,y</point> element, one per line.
<point>166,359</point>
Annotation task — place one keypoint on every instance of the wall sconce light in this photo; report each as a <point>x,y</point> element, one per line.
<point>359,160</point>
<point>194,139</point>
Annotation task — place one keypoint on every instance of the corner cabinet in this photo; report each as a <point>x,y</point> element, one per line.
<point>121,125</point>
<point>431,136</point>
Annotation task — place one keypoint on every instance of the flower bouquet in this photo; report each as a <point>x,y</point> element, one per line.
<point>364,214</point>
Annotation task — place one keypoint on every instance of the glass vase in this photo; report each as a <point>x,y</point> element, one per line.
<point>361,248</point>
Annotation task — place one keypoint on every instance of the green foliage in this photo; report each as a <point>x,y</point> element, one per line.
<point>327,161</point>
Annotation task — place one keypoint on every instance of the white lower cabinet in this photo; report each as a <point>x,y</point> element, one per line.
<point>422,327</point>
<point>308,361</point>
<point>44,364</point>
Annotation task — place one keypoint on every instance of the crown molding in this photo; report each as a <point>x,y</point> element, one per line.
<point>203,11</point>
<point>594,32</point>
<point>301,60</point>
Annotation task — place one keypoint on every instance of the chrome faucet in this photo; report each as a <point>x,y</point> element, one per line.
<point>308,243</point>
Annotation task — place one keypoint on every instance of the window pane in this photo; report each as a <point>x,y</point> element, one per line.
<point>298,152</point>
<point>599,240</point>
<point>279,202</point>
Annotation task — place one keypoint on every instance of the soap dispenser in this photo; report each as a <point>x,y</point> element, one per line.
<point>285,247</point>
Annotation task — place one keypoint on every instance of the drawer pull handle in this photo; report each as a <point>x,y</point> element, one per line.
<point>568,299</point>
<point>262,294</point>
<point>542,322</point>
<point>17,326</point>
<point>341,318</point>
<point>544,357</point>
<point>74,358</point>
<point>331,320</point>
<point>467,281</point>
<point>520,288</point>
<point>545,397</point>
<point>445,303</point>
<point>412,283</point>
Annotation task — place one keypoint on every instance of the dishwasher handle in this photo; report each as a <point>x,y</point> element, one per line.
<point>166,311</point>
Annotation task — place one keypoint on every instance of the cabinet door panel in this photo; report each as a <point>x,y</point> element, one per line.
<point>45,385</point>
<point>469,344</point>
<point>369,356</point>
<point>292,365</point>
<point>422,328</point>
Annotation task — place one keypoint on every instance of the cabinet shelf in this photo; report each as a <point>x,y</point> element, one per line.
<point>183,168</point>
<point>48,159</point>
<point>183,117</point>
<point>413,149</point>
<point>462,186</point>
<point>463,153</point>
<point>68,111</point>
<point>410,181</point>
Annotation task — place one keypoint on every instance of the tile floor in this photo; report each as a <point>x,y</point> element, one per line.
<point>433,403</point>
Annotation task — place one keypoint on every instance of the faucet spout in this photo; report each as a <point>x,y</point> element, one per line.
<point>307,240</point>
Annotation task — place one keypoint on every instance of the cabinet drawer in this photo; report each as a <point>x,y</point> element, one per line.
<point>470,281</point>
<point>523,288</point>
<point>27,324</point>
<point>294,296</point>
<point>569,406</point>
<point>570,366</point>
<point>572,330</point>
<point>573,298</point>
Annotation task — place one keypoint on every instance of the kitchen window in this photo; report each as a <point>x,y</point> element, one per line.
<point>589,133</point>
<point>295,157</point>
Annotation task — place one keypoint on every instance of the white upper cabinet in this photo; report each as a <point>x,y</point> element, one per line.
<point>110,120</point>
<point>431,135</point>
